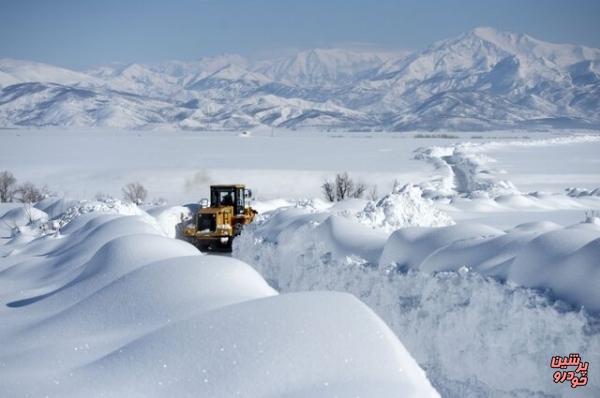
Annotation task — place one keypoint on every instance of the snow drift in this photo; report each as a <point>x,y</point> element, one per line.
<point>482,309</point>
<point>98,301</point>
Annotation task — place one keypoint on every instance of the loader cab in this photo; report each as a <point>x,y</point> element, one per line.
<point>229,195</point>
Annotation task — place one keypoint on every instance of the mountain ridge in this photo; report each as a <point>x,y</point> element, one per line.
<point>481,80</point>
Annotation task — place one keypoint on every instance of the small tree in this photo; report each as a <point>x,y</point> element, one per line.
<point>329,190</point>
<point>7,186</point>
<point>359,190</point>
<point>135,192</point>
<point>344,187</point>
<point>29,193</point>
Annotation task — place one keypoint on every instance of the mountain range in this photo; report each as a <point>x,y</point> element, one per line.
<point>482,80</point>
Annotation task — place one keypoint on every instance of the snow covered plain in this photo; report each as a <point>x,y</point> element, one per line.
<point>478,255</point>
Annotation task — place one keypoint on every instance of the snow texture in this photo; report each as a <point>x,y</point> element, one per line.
<point>100,301</point>
<point>465,299</point>
<point>483,262</point>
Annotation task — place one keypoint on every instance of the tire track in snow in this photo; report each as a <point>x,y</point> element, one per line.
<point>462,182</point>
<point>468,172</point>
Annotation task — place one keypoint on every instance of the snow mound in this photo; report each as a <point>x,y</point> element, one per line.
<point>25,219</point>
<point>55,206</point>
<point>561,261</point>
<point>564,261</point>
<point>272,359</point>
<point>37,219</point>
<point>103,206</point>
<point>411,248</point>
<point>112,307</point>
<point>172,219</point>
<point>466,294</point>
<point>404,207</point>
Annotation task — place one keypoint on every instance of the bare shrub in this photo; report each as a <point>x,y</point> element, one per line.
<point>135,192</point>
<point>29,212</point>
<point>591,215</point>
<point>344,187</point>
<point>359,190</point>
<point>8,185</point>
<point>29,193</point>
<point>329,190</point>
<point>373,194</point>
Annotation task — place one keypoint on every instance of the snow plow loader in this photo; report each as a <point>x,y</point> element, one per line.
<point>218,223</point>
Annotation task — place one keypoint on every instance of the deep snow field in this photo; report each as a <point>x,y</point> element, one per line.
<point>477,264</point>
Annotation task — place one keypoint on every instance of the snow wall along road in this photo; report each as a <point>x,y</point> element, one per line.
<point>469,301</point>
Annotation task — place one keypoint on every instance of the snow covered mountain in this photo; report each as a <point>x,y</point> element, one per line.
<point>481,80</point>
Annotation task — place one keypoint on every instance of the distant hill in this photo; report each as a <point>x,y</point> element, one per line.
<point>481,80</point>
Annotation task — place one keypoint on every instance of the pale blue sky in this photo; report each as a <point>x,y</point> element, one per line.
<point>81,34</point>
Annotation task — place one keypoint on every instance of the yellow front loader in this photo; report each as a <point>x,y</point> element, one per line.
<point>219,221</point>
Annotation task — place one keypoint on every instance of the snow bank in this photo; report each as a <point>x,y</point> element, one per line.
<point>481,309</point>
<point>402,208</point>
<point>173,219</point>
<point>545,256</point>
<point>112,307</point>
<point>351,230</point>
